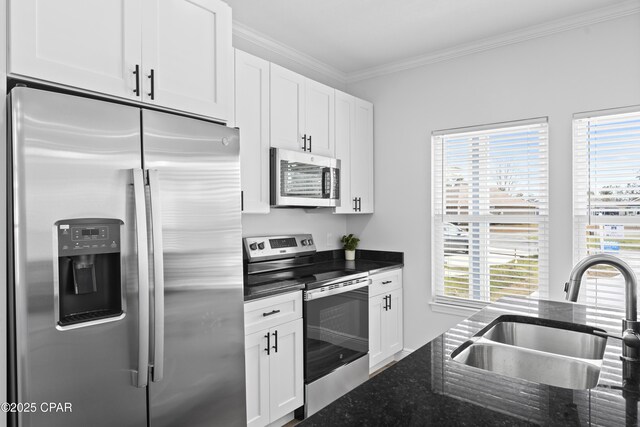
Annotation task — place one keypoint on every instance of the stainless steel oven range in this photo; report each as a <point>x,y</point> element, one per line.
<point>336,312</point>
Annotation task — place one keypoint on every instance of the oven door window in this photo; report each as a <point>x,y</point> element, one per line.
<point>337,331</point>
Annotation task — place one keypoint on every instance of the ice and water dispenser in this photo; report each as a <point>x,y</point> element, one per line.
<point>89,270</point>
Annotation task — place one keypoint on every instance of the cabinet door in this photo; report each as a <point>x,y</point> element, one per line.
<point>186,44</point>
<point>287,108</point>
<point>376,315</point>
<point>252,117</point>
<point>345,112</point>
<point>392,336</point>
<point>286,369</point>
<point>362,156</point>
<point>257,374</point>
<point>88,44</point>
<point>320,119</point>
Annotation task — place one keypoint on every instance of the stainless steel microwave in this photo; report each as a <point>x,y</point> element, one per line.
<point>304,179</point>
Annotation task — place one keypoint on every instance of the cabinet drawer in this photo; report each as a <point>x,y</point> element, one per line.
<point>271,311</point>
<point>385,282</point>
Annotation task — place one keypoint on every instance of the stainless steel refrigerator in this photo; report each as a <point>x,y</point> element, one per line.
<point>126,301</point>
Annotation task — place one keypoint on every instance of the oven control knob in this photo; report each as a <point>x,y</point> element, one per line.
<point>310,242</point>
<point>253,246</point>
<point>304,242</point>
<point>261,245</point>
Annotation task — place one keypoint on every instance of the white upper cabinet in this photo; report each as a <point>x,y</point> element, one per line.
<point>187,55</point>
<point>302,113</point>
<point>287,108</point>
<point>319,118</point>
<point>362,157</point>
<point>90,44</point>
<point>112,47</point>
<point>354,148</point>
<point>345,129</point>
<point>252,118</point>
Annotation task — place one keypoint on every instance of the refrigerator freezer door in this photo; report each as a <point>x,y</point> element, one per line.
<point>72,158</point>
<point>198,181</point>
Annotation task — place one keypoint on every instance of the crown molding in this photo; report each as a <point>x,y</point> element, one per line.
<point>252,36</point>
<point>628,7</point>
<point>620,10</point>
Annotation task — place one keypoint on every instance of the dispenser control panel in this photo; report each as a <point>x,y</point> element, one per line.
<point>85,236</point>
<point>100,232</point>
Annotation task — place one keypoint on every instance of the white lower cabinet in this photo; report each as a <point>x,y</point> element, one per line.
<point>385,317</point>
<point>274,361</point>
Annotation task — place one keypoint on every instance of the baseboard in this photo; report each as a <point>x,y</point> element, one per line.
<point>404,353</point>
<point>282,421</point>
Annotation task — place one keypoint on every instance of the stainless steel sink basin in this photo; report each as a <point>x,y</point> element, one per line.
<point>548,339</point>
<point>556,353</point>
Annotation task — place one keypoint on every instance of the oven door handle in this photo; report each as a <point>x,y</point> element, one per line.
<point>317,293</point>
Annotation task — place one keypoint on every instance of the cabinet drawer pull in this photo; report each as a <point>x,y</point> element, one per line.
<point>270,313</point>
<point>386,282</point>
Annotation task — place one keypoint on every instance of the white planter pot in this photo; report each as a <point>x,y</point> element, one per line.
<point>349,255</point>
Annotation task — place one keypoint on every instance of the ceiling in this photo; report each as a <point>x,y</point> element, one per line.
<point>355,35</point>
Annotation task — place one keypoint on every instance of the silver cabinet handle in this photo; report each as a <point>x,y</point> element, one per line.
<point>143,279</point>
<point>158,276</point>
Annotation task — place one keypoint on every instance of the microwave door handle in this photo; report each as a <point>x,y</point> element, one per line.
<point>158,276</point>
<point>141,377</point>
<point>326,183</point>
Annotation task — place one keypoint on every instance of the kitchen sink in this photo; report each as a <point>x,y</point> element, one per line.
<point>556,353</point>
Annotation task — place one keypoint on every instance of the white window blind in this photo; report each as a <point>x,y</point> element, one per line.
<point>606,189</point>
<point>490,212</point>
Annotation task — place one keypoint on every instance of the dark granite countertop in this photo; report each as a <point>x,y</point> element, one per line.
<point>366,261</point>
<point>427,388</point>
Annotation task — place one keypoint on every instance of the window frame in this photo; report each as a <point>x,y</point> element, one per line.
<point>604,292</point>
<point>440,218</point>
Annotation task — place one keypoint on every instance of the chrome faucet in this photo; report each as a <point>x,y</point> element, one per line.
<point>630,325</point>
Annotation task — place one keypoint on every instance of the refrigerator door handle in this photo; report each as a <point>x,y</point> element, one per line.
<point>141,378</point>
<point>158,276</point>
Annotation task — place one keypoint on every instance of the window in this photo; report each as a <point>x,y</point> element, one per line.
<point>606,193</point>
<point>490,212</point>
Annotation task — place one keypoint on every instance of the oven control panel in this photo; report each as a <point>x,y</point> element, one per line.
<point>262,248</point>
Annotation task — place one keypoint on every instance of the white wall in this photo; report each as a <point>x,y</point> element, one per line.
<point>584,69</point>
<point>325,227</point>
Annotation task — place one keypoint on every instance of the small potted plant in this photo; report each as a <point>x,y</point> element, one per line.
<point>350,243</point>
